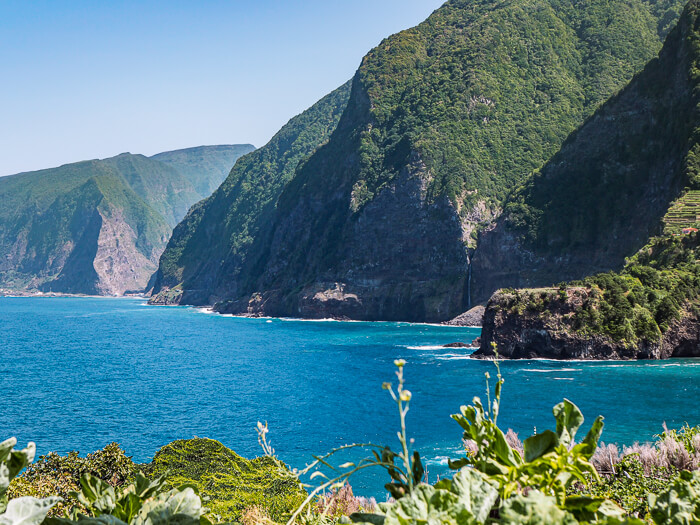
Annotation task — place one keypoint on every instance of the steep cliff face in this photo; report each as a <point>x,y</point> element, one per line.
<point>522,330</point>
<point>601,197</point>
<point>94,227</point>
<point>211,247</point>
<point>443,120</point>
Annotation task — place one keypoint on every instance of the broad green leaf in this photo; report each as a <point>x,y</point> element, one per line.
<point>27,510</point>
<point>540,444</point>
<point>372,519</point>
<point>475,493</point>
<point>680,503</point>
<point>591,440</point>
<point>181,507</point>
<point>569,419</point>
<point>534,509</point>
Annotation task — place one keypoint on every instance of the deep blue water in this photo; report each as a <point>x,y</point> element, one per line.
<point>78,373</point>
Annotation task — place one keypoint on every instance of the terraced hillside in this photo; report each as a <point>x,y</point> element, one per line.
<point>683,213</point>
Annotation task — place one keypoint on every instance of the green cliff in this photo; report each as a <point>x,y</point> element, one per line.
<point>443,121</point>
<point>209,248</point>
<point>630,173</point>
<point>95,227</point>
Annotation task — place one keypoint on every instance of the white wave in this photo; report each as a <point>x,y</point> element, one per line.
<point>426,347</point>
<point>546,371</point>
<point>563,378</point>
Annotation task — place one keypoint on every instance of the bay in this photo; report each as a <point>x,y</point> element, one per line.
<point>78,373</point>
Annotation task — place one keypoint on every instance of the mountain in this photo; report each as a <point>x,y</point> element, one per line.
<point>205,167</point>
<point>95,227</point>
<point>205,256</point>
<point>443,121</point>
<point>621,194</point>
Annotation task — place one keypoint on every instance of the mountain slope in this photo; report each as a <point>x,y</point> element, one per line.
<point>206,167</point>
<point>442,121</point>
<point>601,197</point>
<point>208,249</point>
<point>628,174</point>
<point>95,227</point>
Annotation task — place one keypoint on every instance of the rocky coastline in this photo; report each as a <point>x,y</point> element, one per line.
<point>549,333</point>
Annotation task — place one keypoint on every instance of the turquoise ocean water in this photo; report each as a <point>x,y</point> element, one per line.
<point>78,373</point>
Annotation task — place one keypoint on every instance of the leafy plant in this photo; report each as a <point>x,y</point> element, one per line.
<point>27,510</point>
<point>144,502</point>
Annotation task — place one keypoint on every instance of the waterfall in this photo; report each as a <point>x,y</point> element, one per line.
<point>469,282</point>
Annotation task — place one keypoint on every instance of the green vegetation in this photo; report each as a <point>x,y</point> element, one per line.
<point>223,227</point>
<point>206,167</point>
<point>610,186</point>
<point>229,483</point>
<point>109,482</point>
<point>658,286</point>
<point>683,213</point>
<point>51,220</point>
<point>487,92</point>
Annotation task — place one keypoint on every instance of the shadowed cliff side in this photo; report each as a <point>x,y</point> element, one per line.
<point>443,120</point>
<point>610,188</point>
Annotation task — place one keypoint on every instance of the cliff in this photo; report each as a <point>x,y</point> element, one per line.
<point>206,255</point>
<point>628,173</point>
<point>443,121</point>
<point>546,323</point>
<point>93,227</point>
<point>604,194</point>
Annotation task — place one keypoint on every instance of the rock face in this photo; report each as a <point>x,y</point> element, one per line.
<point>95,227</point>
<point>603,195</point>
<point>442,121</point>
<point>472,317</point>
<point>222,238</point>
<point>519,333</point>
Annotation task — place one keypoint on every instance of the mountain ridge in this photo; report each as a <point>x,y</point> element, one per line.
<point>443,120</point>
<point>91,227</point>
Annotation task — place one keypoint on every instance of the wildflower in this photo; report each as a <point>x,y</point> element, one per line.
<point>405,395</point>
<point>399,362</point>
<point>386,386</point>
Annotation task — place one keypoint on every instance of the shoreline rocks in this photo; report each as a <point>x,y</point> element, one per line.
<point>525,332</point>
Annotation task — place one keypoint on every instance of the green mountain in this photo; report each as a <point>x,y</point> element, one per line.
<point>208,249</point>
<point>443,121</point>
<point>206,167</point>
<point>95,227</point>
<point>617,196</point>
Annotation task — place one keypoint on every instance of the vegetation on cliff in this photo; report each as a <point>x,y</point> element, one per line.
<point>53,222</point>
<point>209,246</point>
<point>616,177</point>
<point>614,183</point>
<point>443,119</point>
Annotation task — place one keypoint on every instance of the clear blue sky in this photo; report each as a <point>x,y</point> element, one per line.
<point>91,79</point>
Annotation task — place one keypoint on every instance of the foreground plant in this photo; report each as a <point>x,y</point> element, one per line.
<point>546,480</point>
<point>26,510</point>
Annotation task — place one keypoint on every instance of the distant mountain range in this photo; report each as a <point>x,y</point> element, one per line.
<point>380,216</point>
<point>99,226</point>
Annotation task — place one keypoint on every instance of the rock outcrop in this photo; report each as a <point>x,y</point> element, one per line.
<point>472,317</point>
<point>539,323</point>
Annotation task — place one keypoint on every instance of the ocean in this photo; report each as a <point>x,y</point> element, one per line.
<point>78,373</point>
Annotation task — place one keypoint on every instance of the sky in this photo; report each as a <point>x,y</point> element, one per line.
<point>91,79</point>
